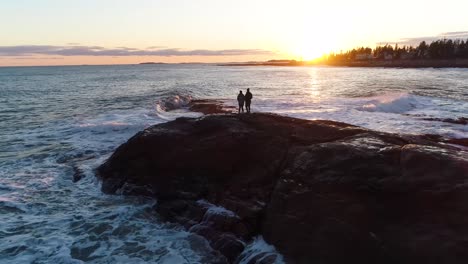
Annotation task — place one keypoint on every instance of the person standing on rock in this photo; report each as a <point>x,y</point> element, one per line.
<point>248,99</point>
<point>240,100</point>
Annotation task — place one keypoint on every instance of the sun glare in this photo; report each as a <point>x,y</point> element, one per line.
<point>315,43</point>
<point>316,35</point>
<point>310,48</point>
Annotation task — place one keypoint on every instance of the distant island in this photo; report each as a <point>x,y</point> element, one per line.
<point>150,62</point>
<point>442,53</point>
<point>269,63</point>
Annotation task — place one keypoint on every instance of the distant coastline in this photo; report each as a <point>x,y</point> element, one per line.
<point>150,62</point>
<point>400,63</point>
<point>443,53</point>
<point>394,63</point>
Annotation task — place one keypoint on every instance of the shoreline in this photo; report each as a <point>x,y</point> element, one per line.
<point>407,64</point>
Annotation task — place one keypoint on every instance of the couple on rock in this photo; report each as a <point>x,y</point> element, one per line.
<point>247,98</point>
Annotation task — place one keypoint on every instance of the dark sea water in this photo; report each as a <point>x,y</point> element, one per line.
<point>57,122</point>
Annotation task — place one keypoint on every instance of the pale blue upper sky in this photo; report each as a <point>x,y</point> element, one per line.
<point>293,28</point>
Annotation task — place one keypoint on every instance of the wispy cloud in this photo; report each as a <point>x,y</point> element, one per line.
<point>31,58</point>
<point>455,34</point>
<point>417,40</point>
<point>75,50</point>
<point>157,47</point>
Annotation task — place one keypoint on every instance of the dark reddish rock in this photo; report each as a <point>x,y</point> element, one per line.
<point>320,191</point>
<point>458,141</point>
<point>210,107</point>
<point>78,173</point>
<point>440,139</point>
<point>229,245</point>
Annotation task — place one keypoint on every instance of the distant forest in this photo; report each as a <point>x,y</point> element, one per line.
<point>440,49</point>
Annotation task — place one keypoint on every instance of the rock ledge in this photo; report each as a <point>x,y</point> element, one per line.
<point>319,191</point>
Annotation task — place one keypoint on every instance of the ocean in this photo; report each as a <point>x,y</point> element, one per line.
<point>57,124</point>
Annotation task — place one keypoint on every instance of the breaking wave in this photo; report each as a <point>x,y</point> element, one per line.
<point>174,106</point>
<point>393,103</point>
<point>173,102</point>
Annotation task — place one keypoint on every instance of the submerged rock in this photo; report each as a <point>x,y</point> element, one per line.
<point>319,191</point>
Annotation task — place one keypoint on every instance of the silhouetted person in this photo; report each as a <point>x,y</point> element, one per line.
<point>240,100</point>
<point>248,99</point>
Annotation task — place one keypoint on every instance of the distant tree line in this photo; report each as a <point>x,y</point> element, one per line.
<point>440,49</point>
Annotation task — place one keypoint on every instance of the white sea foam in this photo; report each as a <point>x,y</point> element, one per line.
<point>259,246</point>
<point>173,102</point>
<point>172,107</point>
<point>394,112</point>
<point>48,218</point>
<point>214,209</point>
<point>392,103</point>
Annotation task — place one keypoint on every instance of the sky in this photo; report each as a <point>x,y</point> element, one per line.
<point>64,32</point>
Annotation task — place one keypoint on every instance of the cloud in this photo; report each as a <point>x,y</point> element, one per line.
<point>455,34</point>
<point>32,58</point>
<point>75,50</point>
<point>156,47</point>
<point>417,40</point>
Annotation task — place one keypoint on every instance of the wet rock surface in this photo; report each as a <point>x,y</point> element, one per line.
<point>319,191</point>
<point>210,107</point>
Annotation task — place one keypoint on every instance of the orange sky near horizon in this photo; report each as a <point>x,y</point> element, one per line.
<point>109,60</point>
<point>51,32</point>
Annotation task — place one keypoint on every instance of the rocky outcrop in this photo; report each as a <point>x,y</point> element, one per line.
<point>320,191</point>
<point>210,107</point>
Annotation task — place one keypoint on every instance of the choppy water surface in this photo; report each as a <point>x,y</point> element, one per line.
<point>57,123</point>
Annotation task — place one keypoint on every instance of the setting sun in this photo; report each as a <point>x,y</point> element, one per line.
<point>317,35</point>
<point>310,49</point>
